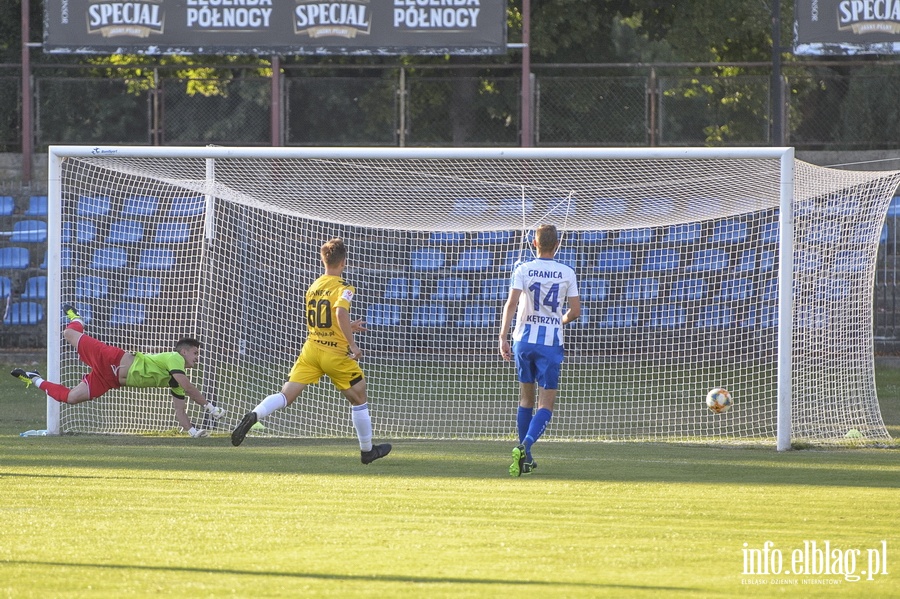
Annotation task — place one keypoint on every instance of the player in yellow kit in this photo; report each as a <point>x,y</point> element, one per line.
<point>331,350</point>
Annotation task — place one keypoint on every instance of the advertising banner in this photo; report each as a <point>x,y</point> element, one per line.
<point>846,27</point>
<point>282,27</point>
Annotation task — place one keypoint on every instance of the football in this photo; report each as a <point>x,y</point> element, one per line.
<point>718,400</point>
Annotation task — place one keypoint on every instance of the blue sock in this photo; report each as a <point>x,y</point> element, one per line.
<point>523,421</point>
<point>536,429</point>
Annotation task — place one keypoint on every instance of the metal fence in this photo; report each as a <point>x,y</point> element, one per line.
<point>828,106</point>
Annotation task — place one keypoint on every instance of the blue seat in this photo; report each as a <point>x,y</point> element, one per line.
<point>515,206</point>
<point>770,290</point>
<point>14,257</point>
<point>125,231</point>
<point>807,261</point>
<point>645,288</point>
<point>93,206</point>
<point>584,320</point>
<point>29,231</point>
<point>688,290</point>
<point>190,206</point>
<point>479,315</point>
<point>91,286</point>
<point>494,289</point>
<point>447,237</point>
<point>567,256</point>
<point>5,287</point>
<point>140,206</point>
<point>37,206</point>
<point>143,287</point>
<point>618,316</point>
<point>474,260</point>
<point>24,313</point>
<point>430,315</point>
<point>65,232</point>
<point>667,316</point>
<point>767,317</point>
<point>715,316</point>
<point>469,206</point>
<point>851,261</point>
<point>613,260</point>
<point>127,313</point>
<point>593,237</point>
<point>85,231</point>
<point>593,290</point>
<point>737,289</point>
<point>825,232</point>
<point>65,258</point>
<point>769,232</point>
<point>403,288</point>
<point>7,205</point>
<point>451,289</point>
<point>109,258</point>
<point>715,260</point>
<point>767,260</point>
<point>156,259</point>
<point>383,315</point>
<point>562,207</point>
<point>427,258</point>
<point>683,233</point>
<point>512,258</point>
<point>493,237</point>
<point>610,207</point>
<point>173,232</point>
<point>729,231</point>
<point>746,261</point>
<point>635,236</point>
<point>35,288</point>
<point>662,260</point>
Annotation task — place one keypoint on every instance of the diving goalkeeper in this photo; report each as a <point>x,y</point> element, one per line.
<point>112,368</point>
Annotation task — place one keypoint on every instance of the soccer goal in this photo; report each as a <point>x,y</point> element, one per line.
<point>698,268</point>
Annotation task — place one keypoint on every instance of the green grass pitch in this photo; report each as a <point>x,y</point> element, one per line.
<point>111,516</point>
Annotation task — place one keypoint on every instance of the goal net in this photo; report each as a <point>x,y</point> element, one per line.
<point>681,255</point>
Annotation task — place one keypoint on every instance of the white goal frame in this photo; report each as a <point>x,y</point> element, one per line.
<point>785,156</point>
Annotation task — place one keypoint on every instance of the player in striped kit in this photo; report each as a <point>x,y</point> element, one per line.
<point>546,294</point>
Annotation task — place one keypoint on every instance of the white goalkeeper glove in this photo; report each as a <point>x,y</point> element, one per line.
<point>215,411</point>
<point>196,434</point>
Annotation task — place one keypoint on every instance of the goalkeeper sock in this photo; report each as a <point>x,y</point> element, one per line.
<point>536,429</point>
<point>270,404</point>
<point>523,420</point>
<point>363,425</point>
<point>58,392</point>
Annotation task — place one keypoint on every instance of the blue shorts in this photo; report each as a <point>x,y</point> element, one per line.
<point>538,363</point>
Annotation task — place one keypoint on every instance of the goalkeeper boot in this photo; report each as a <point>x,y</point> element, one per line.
<point>529,465</point>
<point>518,456</point>
<point>26,377</point>
<point>377,452</point>
<point>197,433</point>
<point>238,434</point>
<point>70,312</point>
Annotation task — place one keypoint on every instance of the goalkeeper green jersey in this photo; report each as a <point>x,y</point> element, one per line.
<point>156,370</point>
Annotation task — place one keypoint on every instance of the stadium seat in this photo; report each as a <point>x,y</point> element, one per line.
<point>65,232</point>
<point>737,289</point>
<point>140,206</point>
<point>156,259</point>
<point>143,287</point>
<point>667,316</point>
<point>5,287</point>
<point>767,317</point>
<point>662,260</point>
<point>493,237</point>
<point>618,316</point>
<point>427,258</point>
<point>127,313</point>
<point>451,289</point>
<point>635,236</point>
<point>568,256</point>
<point>645,288</point>
<point>715,260</point>
<point>613,260</point>
<point>746,261</point>
<point>383,315</point>
<point>403,288</point>
<point>767,260</point>
<point>85,231</point>
<point>769,232</point>
<point>493,290</point>
<point>109,258</point>
<point>469,206</point>
<point>825,232</point>
<point>173,232</point>
<point>806,261</point>
<point>29,231</point>
<point>562,207</point>
<point>584,320</point>
<point>14,257</point>
<point>7,205</point>
<point>430,315</point>
<point>35,288</point>
<point>512,258</point>
<point>93,206</point>
<point>447,237</point>
<point>474,260</point>
<point>715,316</point>
<point>65,258</point>
<point>91,286</point>
<point>125,231</point>
<point>479,315</point>
<point>514,206</point>
<point>187,206</point>
<point>729,231</point>
<point>37,206</point>
<point>610,207</point>
<point>24,313</point>
<point>851,261</point>
<point>688,290</point>
<point>593,290</point>
<point>770,290</point>
<point>683,233</point>
<point>593,237</point>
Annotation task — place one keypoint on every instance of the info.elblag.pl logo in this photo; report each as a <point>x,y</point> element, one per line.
<point>814,562</point>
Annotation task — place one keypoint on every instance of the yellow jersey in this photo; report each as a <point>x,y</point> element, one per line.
<point>323,297</point>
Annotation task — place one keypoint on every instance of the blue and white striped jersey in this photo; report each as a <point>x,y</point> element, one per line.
<point>545,285</point>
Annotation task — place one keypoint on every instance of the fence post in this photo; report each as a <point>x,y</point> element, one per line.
<point>652,94</point>
<point>401,102</point>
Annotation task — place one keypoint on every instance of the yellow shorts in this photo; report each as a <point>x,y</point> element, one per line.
<point>313,362</point>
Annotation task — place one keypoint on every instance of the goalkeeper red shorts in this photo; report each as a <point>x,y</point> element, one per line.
<point>104,362</point>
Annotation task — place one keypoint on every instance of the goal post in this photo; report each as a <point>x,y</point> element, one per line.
<point>698,267</point>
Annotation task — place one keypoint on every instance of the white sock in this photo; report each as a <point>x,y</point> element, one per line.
<point>270,404</point>
<point>363,425</point>
<point>36,381</point>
